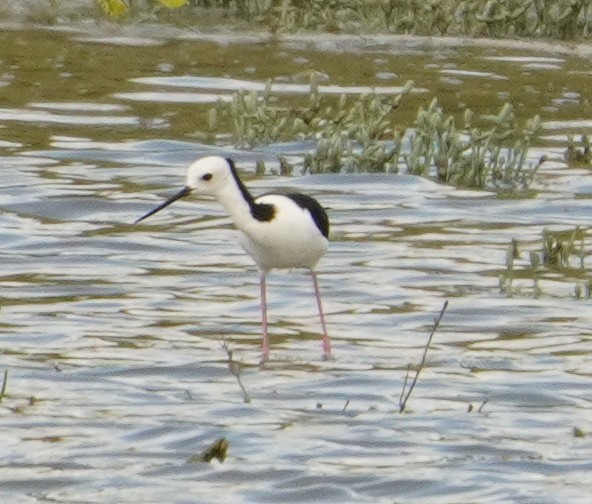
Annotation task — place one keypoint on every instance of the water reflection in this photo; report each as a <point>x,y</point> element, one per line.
<point>112,332</point>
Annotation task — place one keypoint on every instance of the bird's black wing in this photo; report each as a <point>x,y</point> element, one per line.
<point>317,212</point>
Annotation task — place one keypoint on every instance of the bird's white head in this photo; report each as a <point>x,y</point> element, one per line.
<point>209,175</point>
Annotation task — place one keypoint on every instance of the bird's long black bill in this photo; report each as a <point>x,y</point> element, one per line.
<point>181,194</point>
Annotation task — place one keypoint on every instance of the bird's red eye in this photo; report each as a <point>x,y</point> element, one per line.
<point>207,176</point>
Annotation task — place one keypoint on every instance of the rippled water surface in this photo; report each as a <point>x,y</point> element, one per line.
<point>112,332</point>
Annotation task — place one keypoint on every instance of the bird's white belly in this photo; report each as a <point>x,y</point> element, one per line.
<point>275,247</point>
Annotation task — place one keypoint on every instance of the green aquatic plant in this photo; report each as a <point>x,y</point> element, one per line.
<point>362,134</point>
<point>217,450</point>
<point>557,249</point>
<point>578,153</point>
<point>562,19</point>
<point>255,119</point>
<point>494,156</point>
<point>558,19</point>
<point>330,15</point>
<point>357,135</point>
<point>352,134</point>
<point>119,9</point>
<point>583,289</point>
<point>560,257</point>
<point>506,280</point>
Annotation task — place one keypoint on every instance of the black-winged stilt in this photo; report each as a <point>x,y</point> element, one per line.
<point>278,230</point>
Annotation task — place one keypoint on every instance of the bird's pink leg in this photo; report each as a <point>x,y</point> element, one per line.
<point>326,340</point>
<point>265,343</point>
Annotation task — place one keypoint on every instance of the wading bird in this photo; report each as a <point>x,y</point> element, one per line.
<point>278,230</point>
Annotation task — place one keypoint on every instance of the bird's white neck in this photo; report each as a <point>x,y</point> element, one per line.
<point>238,203</point>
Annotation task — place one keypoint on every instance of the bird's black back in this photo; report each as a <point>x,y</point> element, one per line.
<point>317,212</point>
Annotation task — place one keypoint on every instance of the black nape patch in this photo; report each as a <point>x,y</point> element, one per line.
<point>263,212</point>
<point>260,211</point>
<point>317,212</point>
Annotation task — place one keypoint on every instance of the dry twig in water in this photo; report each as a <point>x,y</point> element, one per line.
<point>480,409</point>
<point>405,396</point>
<point>4,383</point>
<point>235,368</point>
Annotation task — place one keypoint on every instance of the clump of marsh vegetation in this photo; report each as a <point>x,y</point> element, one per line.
<point>362,134</point>
<point>217,450</point>
<point>351,134</point>
<point>258,119</point>
<point>120,9</point>
<point>561,19</point>
<point>560,257</point>
<point>493,156</point>
<point>578,153</point>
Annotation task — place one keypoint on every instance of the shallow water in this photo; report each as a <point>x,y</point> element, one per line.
<point>112,332</point>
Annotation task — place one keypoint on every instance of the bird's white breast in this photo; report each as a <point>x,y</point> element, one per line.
<point>290,239</point>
